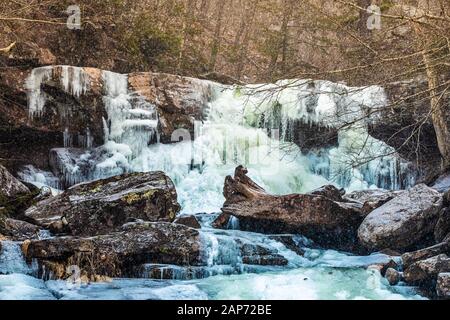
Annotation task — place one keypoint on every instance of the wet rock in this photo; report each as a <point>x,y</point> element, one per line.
<point>443,286</point>
<point>180,101</point>
<point>17,230</point>
<point>116,254</point>
<point>415,256</point>
<point>393,276</point>
<point>259,255</point>
<point>402,222</point>
<point>425,272</point>
<point>102,206</point>
<point>188,221</point>
<point>372,199</point>
<point>10,186</point>
<point>289,242</point>
<point>442,228</point>
<point>383,267</point>
<point>326,222</point>
<point>330,192</point>
<point>222,221</point>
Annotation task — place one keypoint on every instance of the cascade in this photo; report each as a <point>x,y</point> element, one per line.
<point>251,125</point>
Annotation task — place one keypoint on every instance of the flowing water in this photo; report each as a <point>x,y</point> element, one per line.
<point>252,126</point>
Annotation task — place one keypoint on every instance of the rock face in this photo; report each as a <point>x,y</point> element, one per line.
<point>67,106</point>
<point>101,206</point>
<point>10,186</point>
<point>327,222</point>
<point>116,254</point>
<point>402,222</point>
<point>179,100</point>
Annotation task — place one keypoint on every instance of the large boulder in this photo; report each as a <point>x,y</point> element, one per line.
<point>402,222</point>
<point>412,257</point>
<point>425,272</point>
<point>102,206</point>
<point>329,223</point>
<point>10,186</point>
<point>117,253</point>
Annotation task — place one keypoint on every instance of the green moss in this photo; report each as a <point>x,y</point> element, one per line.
<point>164,250</point>
<point>132,198</point>
<point>172,214</point>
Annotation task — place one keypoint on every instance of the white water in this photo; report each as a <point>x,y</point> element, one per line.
<point>238,130</point>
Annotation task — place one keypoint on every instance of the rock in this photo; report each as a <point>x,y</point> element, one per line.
<point>18,230</point>
<point>443,285</point>
<point>289,242</point>
<point>442,183</point>
<point>102,206</point>
<point>393,276</point>
<point>180,101</point>
<point>390,252</point>
<point>413,257</point>
<point>330,192</point>
<point>442,228</point>
<point>116,254</point>
<point>259,255</point>
<point>447,199</point>
<point>188,221</point>
<point>372,199</point>
<point>10,186</point>
<point>383,267</point>
<point>327,222</point>
<point>425,272</point>
<point>222,221</point>
<point>402,222</point>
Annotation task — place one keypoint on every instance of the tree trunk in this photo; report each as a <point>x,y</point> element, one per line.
<point>437,105</point>
<point>363,17</point>
<point>438,112</point>
<point>217,35</point>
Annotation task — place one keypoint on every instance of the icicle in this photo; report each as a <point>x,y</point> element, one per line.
<point>36,98</point>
